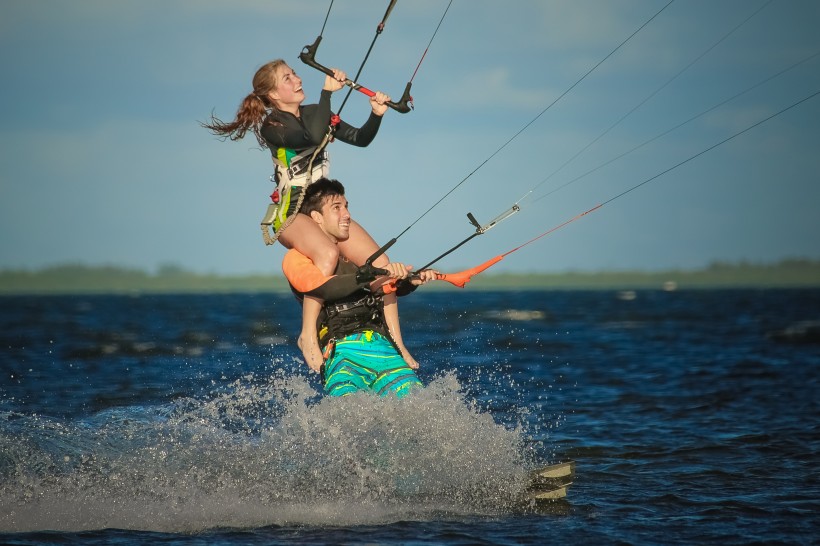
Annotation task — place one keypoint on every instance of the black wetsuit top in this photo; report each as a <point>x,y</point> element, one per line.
<point>284,130</point>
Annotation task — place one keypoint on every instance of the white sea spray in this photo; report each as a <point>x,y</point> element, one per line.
<point>259,452</point>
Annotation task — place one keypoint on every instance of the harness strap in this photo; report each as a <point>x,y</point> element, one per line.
<point>342,319</point>
<point>304,164</point>
<point>334,309</point>
<point>270,236</point>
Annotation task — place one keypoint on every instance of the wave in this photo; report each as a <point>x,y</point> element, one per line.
<point>261,452</point>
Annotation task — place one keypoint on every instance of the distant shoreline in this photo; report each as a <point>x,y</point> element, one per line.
<point>81,279</point>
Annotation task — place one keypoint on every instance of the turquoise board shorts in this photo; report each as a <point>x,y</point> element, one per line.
<point>368,362</point>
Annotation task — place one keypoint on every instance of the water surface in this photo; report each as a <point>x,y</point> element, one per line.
<point>692,415</point>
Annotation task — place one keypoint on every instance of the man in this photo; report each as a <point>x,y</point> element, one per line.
<point>350,345</point>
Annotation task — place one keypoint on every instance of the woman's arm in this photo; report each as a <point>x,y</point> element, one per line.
<point>359,136</point>
<point>367,132</point>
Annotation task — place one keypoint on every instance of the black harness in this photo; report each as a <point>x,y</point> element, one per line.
<point>342,318</point>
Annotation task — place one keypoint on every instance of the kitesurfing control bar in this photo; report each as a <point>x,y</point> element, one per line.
<point>308,56</point>
<point>368,272</point>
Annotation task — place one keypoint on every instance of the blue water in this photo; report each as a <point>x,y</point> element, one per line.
<point>693,417</point>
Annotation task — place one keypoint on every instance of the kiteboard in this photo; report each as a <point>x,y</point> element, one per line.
<point>551,482</point>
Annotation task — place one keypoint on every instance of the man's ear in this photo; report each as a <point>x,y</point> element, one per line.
<point>317,216</point>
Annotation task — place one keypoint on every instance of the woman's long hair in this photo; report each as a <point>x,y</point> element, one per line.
<point>253,110</point>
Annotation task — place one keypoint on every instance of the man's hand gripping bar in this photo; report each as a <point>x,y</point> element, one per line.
<point>308,56</point>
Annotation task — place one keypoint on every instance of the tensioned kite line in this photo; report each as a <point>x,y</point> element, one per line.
<point>463,277</point>
<point>515,208</point>
<point>678,126</point>
<point>503,146</point>
<point>379,29</point>
<point>405,104</point>
<point>644,101</point>
<point>460,279</point>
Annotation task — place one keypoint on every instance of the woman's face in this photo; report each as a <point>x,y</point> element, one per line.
<point>288,90</point>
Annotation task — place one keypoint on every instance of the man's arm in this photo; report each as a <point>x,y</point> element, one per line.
<point>403,286</point>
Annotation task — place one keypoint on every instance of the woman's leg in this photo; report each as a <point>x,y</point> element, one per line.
<point>358,248</point>
<point>391,318</point>
<point>308,341</point>
<point>304,235</point>
<point>307,237</point>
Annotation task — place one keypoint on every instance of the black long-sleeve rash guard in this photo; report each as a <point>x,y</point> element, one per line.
<point>305,278</point>
<point>284,130</point>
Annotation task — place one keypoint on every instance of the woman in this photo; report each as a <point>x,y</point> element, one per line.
<point>296,135</point>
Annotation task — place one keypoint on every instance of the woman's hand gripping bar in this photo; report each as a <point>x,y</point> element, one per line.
<point>308,56</point>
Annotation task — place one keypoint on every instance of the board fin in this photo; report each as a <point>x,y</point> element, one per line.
<point>552,494</point>
<point>551,482</point>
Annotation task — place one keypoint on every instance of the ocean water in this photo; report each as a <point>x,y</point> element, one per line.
<point>693,417</point>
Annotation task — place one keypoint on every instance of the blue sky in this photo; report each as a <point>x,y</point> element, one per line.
<point>104,162</point>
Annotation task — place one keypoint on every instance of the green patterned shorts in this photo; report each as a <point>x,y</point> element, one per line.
<point>368,362</point>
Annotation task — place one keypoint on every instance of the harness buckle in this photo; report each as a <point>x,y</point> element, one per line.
<point>337,308</point>
<point>302,164</point>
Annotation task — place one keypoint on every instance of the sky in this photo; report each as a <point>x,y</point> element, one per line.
<point>104,161</point>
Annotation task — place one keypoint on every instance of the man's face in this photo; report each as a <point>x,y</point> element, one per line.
<point>335,218</point>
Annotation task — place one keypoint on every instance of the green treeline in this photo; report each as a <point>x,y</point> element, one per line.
<point>74,279</point>
<point>796,273</point>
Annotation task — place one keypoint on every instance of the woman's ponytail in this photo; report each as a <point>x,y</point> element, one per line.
<point>254,108</point>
